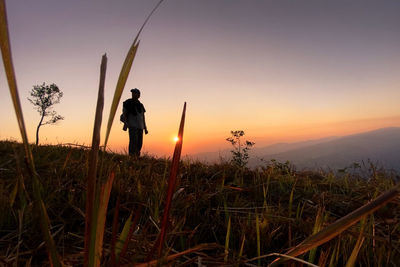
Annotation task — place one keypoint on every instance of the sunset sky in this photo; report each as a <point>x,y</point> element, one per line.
<point>282,71</point>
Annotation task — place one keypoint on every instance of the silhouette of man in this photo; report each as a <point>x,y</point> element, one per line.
<point>133,114</point>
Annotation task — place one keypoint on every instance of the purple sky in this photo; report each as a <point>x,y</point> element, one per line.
<point>279,70</point>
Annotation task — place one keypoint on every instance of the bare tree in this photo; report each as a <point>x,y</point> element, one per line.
<point>43,97</point>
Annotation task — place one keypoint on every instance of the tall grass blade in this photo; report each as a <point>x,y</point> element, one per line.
<point>12,84</point>
<point>93,158</point>
<point>171,187</point>
<point>126,67</point>
<point>123,76</point>
<point>98,222</point>
<point>341,225</point>
<point>11,78</point>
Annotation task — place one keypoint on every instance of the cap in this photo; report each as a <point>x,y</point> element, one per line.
<point>135,90</point>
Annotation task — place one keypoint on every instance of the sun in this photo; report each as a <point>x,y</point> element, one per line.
<point>176,139</point>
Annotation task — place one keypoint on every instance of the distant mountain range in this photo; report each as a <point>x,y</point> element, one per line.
<point>381,146</point>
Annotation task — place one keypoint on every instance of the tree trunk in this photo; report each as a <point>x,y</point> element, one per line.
<point>37,130</point>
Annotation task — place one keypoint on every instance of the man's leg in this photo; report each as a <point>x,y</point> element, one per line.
<point>139,141</point>
<point>131,141</point>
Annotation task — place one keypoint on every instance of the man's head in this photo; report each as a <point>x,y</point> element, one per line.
<point>135,93</point>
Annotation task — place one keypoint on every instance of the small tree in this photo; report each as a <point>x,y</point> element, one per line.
<point>43,97</point>
<point>240,151</point>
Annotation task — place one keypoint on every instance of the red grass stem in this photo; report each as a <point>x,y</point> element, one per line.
<point>171,188</point>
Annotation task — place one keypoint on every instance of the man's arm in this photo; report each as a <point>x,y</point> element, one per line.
<point>145,127</point>
<point>125,118</point>
<point>124,114</point>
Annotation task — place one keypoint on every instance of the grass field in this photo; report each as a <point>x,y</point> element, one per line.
<point>235,214</point>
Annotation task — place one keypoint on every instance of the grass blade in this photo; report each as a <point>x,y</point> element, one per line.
<point>333,260</point>
<point>171,188</point>
<point>101,218</point>
<point>123,76</point>
<point>281,255</point>
<point>241,249</point>
<point>11,78</point>
<point>12,84</point>
<point>340,225</point>
<point>123,236</point>
<point>114,233</point>
<point>360,240</point>
<point>93,158</point>
<point>177,255</point>
<point>258,239</point>
<point>98,222</point>
<point>125,241</point>
<point>228,234</point>
<point>172,179</point>
<point>317,227</point>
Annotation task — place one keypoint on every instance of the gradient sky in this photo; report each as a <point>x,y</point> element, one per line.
<point>281,71</point>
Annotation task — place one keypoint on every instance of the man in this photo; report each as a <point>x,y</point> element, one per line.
<point>133,116</point>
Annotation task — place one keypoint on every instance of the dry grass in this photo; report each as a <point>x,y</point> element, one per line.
<point>199,209</point>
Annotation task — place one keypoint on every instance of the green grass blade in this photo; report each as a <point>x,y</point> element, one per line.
<point>93,158</point>
<point>360,240</point>
<point>101,218</point>
<point>228,234</point>
<point>258,239</point>
<point>241,248</point>
<point>317,227</point>
<point>125,241</point>
<point>123,76</point>
<point>334,256</point>
<point>341,225</point>
<point>12,83</point>
<point>14,192</point>
<point>123,236</point>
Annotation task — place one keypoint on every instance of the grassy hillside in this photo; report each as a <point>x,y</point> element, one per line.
<point>235,214</point>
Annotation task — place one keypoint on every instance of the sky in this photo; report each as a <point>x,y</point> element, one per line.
<point>282,71</point>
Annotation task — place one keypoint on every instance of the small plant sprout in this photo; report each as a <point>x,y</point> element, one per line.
<point>240,151</point>
<point>43,97</point>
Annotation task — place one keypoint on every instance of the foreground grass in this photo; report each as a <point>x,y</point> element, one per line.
<point>245,213</point>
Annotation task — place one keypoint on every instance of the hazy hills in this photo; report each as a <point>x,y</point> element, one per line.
<point>381,146</point>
